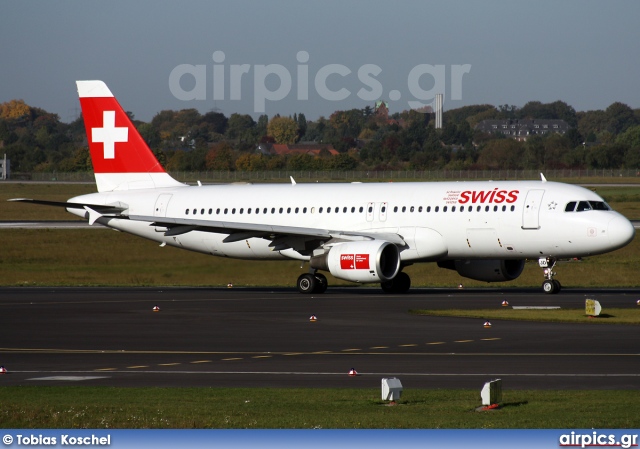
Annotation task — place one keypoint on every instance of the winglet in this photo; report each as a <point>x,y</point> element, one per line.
<point>543,178</point>
<point>293,181</point>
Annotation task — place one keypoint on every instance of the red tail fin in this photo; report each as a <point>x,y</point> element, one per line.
<point>121,158</point>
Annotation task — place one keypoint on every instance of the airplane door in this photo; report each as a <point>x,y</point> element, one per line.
<point>370,207</point>
<point>383,211</point>
<point>531,211</point>
<point>160,209</point>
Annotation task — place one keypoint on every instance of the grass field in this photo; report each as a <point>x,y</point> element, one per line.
<point>260,408</point>
<point>608,316</point>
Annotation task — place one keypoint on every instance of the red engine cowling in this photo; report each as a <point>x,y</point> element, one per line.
<point>367,261</point>
<point>486,270</point>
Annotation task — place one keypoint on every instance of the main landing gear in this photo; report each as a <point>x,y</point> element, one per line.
<point>399,284</point>
<point>312,283</point>
<point>550,285</point>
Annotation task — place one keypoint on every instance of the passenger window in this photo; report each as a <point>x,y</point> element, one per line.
<point>225,210</point>
<point>195,211</point>
<point>353,209</point>
<point>486,208</point>
<point>264,211</point>
<point>395,208</point>
<point>328,210</point>
<point>513,208</point>
<point>444,209</point>
<point>304,210</point>
<point>384,209</point>
<point>478,209</point>
<point>411,210</point>
<point>273,210</point>
<point>186,212</point>
<point>437,208</point>
<point>571,205</point>
<point>201,211</point>
<point>344,210</point>
<point>288,210</point>
<point>404,209</point>
<point>320,210</point>
<point>337,210</point>
<point>210,211</point>
<point>504,208</point>
<point>297,209</point>
<point>241,210</point>
<point>233,211</point>
<point>218,211</point>
<point>280,210</point>
<point>453,208</point>
<point>370,209</point>
<point>361,209</point>
<point>420,209</point>
<point>428,208</point>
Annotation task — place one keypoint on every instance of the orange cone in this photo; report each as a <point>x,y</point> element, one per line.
<point>505,303</point>
<point>156,309</point>
<point>487,324</point>
<point>353,372</point>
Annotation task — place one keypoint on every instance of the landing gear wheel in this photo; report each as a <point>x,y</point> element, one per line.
<point>548,287</point>
<point>399,284</point>
<point>322,284</point>
<point>307,283</point>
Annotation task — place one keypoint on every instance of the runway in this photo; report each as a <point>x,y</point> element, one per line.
<point>264,338</point>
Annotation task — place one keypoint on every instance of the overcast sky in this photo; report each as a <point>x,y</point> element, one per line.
<point>321,56</point>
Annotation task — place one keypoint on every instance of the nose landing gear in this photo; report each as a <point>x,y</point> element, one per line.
<point>550,285</point>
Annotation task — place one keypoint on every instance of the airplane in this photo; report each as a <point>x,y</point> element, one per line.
<point>359,232</point>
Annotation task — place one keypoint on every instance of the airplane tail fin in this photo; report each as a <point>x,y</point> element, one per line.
<point>121,158</point>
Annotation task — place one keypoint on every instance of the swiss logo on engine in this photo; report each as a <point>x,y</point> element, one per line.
<point>354,261</point>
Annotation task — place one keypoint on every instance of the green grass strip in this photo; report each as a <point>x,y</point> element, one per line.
<point>242,408</point>
<point>608,316</point>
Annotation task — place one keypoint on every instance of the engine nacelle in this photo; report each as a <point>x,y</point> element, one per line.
<point>486,270</point>
<point>366,261</point>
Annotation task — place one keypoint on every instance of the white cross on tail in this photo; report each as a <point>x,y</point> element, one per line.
<point>109,134</point>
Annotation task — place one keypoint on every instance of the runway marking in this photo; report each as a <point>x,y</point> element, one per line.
<point>379,347</point>
<point>261,356</point>
<point>321,352</point>
<point>233,358</point>
<point>463,341</point>
<point>202,361</point>
<point>352,349</point>
<point>169,364</point>
<point>407,346</point>
<point>437,343</point>
<point>69,378</point>
<point>137,366</point>
<point>105,369</point>
<point>301,373</point>
<point>490,339</point>
<point>294,353</point>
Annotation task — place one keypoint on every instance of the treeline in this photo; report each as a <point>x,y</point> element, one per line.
<point>366,139</point>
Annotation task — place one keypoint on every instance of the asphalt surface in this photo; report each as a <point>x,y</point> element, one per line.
<point>264,338</point>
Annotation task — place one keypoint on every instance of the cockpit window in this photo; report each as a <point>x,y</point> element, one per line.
<point>583,205</point>
<point>599,205</point>
<point>570,206</point>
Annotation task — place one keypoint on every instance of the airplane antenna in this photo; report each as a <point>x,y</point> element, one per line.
<point>293,181</point>
<point>543,178</point>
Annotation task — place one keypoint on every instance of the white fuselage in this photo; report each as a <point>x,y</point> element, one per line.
<point>436,220</point>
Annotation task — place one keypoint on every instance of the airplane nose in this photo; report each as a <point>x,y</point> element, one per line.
<point>620,231</point>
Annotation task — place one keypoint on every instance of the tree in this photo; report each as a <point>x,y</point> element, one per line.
<point>220,157</point>
<point>15,109</point>
<point>620,118</point>
<point>283,130</point>
<point>240,126</point>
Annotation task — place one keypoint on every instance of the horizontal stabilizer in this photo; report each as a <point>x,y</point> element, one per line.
<point>103,209</point>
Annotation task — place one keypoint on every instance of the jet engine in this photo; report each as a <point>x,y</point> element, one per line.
<point>486,270</point>
<point>366,261</point>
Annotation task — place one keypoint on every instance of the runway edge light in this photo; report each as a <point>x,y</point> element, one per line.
<point>391,389</point>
